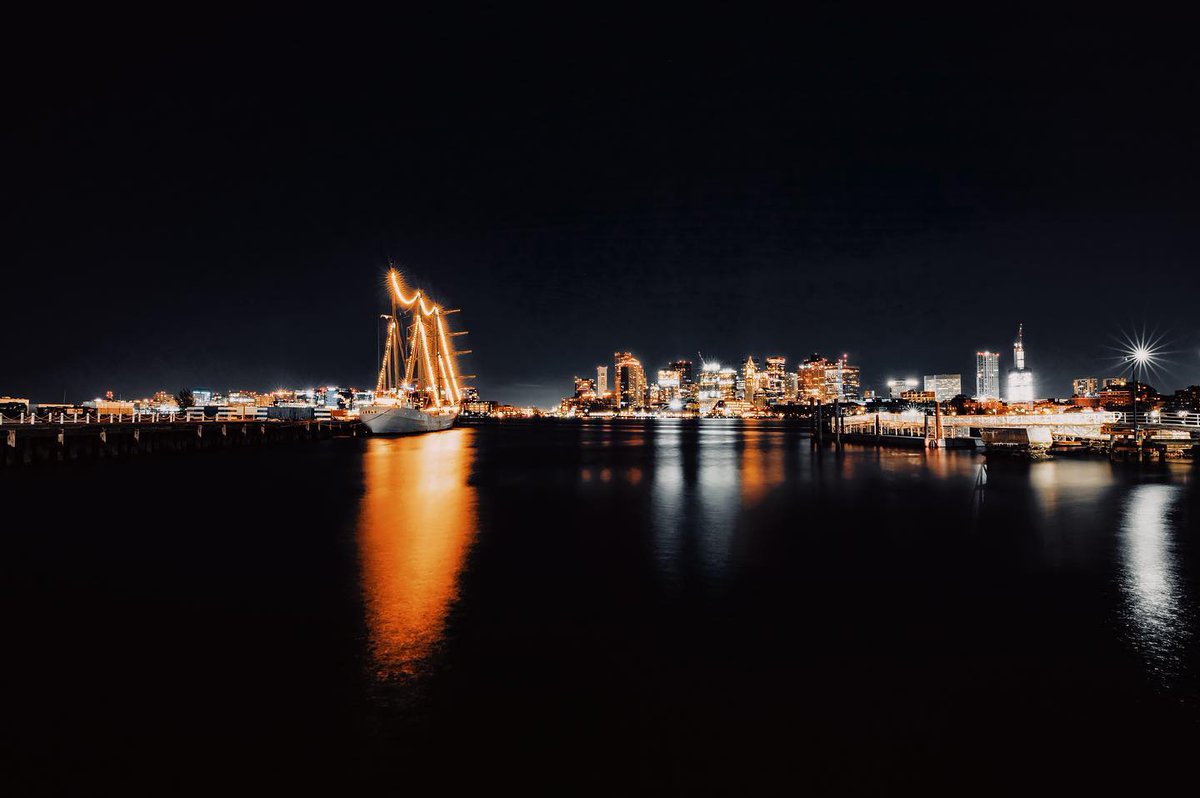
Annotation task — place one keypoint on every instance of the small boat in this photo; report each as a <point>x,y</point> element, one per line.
<point>1032,443</point>
<point>1071,447</point>
<point>417,390</point>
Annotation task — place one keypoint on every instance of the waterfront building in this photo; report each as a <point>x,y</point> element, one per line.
<point>686,375</point>
<point>727,382</point>
<point>1085,386</point>
<point>748,382</point>
<point>717,384</point>
<point>841,381</point>
<point>668,386</point>
<point>1020,379</point>
<point>899,386</point>
<point>13,405</point>
<point>1186,400</point>
<point>773,387</point>
<point>109,406</point>
<point>944,386</point>
<point>479,407</point>
<point>709,385</point>
<point>987,376</point>
<point>585,389</point>
<point>602,381</point>
<point>919,397</point>
<point>811,378</point>
<point>1115,382</point>
<point>629,382</point>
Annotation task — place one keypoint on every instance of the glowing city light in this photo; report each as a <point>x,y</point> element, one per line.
<point>437,357</point>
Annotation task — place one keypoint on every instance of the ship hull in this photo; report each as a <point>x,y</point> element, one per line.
<point>395,420</point>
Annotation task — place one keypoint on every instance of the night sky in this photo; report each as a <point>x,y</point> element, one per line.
<point>213,202</point>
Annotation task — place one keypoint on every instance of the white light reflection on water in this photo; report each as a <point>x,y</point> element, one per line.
<point>668,497</point>
<point>1156,614</point>
<point>718,484</point>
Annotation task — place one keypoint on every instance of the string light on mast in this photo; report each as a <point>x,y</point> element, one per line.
<point>436,357</point>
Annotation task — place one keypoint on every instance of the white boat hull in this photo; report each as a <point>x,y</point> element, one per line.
<point>400,420</point>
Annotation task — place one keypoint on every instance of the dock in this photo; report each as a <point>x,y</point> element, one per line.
<point>33,440</point>
<point>1146,437</point>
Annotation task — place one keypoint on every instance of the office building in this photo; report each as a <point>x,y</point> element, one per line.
<point>841,381</point>
<point>774,380</point>
<point>943,386</point>
<point>629,381</point>
<point>1020,379</point>
<point>810,378</point>
<point>987,376</point>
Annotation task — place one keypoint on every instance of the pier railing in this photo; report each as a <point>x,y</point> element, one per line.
<point>1170,418</point>
<point>89,417</point>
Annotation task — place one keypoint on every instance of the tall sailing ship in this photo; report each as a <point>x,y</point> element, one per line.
<point>418,386</point>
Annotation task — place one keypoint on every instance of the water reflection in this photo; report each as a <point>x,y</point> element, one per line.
<point>1156,612</point>
<point>416,524</point>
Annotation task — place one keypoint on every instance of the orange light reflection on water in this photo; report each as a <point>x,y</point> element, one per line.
<point>416,524</point>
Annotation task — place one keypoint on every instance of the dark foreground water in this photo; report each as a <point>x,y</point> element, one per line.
<point>661,607</point>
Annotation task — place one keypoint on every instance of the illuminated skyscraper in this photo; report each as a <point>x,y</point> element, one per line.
<point>601,380</point>
<point>1020,379</point>
<point>944,387</point>
<point>774,388</point>
<point>686,376</point>
<point>987,376</point>
<point>747,387</point>
<point>841,381</point>
<point>811,378</point>
<point>669,385</point>
<point>629,381</point>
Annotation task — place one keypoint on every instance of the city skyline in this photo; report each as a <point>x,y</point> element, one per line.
<point>1112,364</point>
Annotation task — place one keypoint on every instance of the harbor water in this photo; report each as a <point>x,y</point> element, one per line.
<point>615,607</point>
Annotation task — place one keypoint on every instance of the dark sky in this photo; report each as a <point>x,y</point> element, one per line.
<point>214,201</point>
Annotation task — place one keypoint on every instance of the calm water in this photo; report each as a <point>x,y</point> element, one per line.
<point>657,607</point>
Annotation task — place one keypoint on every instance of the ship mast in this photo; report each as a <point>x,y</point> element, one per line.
<point>429,363</point>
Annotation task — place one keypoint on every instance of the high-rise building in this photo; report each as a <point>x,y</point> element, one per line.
<point>987,376</point>
<point>601,380</point>
<point>773,389</point>
<point>943,386</point>
<point>1020,379</point>
<point>629,381</point>
<point>668,378</point>
<point>811,378</point>
<point>668,385</point>
<point>686,375</point>
<point>717,384</point>
<point>1085,386</point>
<point>748,387</point>
<point>841,381</point>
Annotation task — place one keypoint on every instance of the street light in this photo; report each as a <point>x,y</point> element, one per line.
<point>1139,356</point>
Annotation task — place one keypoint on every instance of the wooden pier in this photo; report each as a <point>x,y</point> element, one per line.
<point>1155,437</point>
<point>97,439</point>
